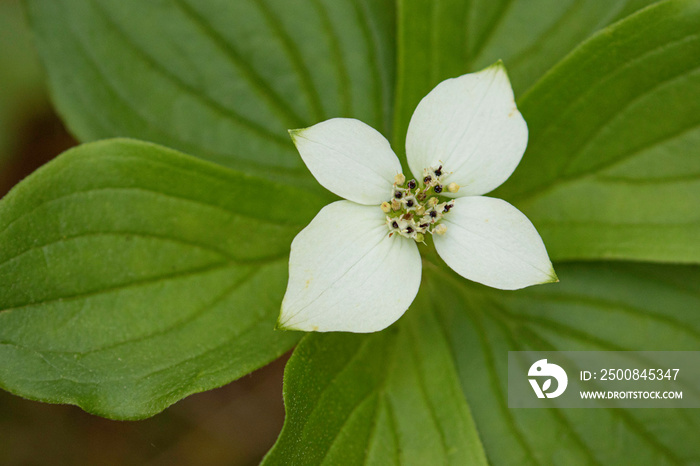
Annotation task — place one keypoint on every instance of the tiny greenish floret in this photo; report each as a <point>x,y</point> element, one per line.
<point>416,208</point>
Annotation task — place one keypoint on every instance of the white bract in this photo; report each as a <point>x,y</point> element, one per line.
<point>356,267</point>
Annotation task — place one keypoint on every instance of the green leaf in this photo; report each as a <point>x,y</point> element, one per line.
<point>612,168</point>
<point>445,39</point>
<point>596,307</point>
<point>218,79</point>
<point>532,36</point>
<point>133,275</point>
<point>386,398</point>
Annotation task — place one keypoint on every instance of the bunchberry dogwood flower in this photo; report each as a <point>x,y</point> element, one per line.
<point>356,267</point>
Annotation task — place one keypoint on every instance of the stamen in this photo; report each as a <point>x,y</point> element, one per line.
<point>440,229</point>
<point>413,211</point>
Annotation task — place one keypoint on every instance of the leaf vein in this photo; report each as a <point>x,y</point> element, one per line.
<point>225,112</point>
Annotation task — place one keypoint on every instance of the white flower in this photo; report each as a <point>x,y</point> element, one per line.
<point>356,267</point>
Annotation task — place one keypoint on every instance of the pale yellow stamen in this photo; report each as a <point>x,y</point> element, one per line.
<point>440,229</point>
<point>453,187</point>
<point>399,179</point>
<point>386,207</point>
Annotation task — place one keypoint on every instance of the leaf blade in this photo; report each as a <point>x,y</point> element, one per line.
<point>178,73</point>
<point>400,381</point>
<point>121,261</point>
<point>596,307</point>
<point>611,170</point>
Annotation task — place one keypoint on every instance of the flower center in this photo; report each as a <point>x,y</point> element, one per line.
<point>415,208</point>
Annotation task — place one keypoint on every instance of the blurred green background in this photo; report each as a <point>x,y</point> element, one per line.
<point>234,425</point>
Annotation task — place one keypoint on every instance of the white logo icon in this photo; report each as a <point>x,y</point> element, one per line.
<point>542,368</point>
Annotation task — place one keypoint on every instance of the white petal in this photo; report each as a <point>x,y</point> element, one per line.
<point>491,242</point>
<point>471,126</point>
<point>347,274</point>
<point>349,158</point>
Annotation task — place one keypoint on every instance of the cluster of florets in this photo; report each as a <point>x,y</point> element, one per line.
<point>415,208</point>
